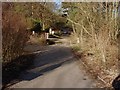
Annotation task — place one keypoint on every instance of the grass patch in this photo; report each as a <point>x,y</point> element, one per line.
<point>76,48</point>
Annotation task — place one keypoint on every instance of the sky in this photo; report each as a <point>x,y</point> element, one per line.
<point>58,2</point>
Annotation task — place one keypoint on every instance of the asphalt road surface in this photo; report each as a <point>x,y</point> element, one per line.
<point>55,67</point>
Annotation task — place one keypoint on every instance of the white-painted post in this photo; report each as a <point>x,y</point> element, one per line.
<point>53,32</point>
<point>33,32</point>
<point>78,41</point>
<point>47,35</point>
<point>50,31</point>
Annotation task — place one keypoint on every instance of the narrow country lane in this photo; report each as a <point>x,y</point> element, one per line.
<point>56,67</point>
<point>60,44</point>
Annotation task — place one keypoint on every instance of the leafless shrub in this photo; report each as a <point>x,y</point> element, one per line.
<point>14,35</point>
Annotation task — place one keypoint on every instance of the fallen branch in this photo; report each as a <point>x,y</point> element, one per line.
<point>101,79</point>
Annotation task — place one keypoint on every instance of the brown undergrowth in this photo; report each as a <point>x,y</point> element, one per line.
<point>96,69</point>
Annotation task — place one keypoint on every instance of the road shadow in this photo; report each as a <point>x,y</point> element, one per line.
<point>53,58</point>
<point>116,83</point>
<point>30,75</point>
<point>45,62</point>
<point>10,71</point>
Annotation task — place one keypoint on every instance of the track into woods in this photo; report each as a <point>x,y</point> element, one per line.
<point>55,67</point>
